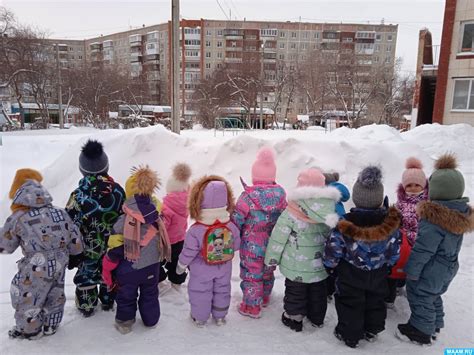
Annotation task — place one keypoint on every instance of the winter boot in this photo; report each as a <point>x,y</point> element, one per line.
<point>350,343</point>
<point>50,329</point>
<point>198,323</point>
<point>86,313</point>
<point>107,306</point>
<point>409,333</point>
<point>435,335</point>
<point>220,321</point>
<point>14,333</point>
<point>370,337</point>
<point>124,327</point>
<point>293,324</point>
<point>250,311</point>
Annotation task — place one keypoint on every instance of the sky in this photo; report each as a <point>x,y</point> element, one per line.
<point>73,19</point>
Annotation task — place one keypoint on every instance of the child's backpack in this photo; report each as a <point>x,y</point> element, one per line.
<point>218,244</point>
<point>405,250</point>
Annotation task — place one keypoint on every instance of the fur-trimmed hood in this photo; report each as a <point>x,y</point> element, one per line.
<point>376,233</point>
<point>449,219</point>
<point>196,195</point>
<point>309,192</point>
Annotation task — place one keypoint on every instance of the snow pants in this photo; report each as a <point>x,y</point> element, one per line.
<point>142,285</point>
<point>308,300</point>
<point>257,279</point>
<point>168,269</point>
<point>37,301</point>
<point>89,286</point>
<point>360,301</point>
<point>209,292</point>
<point>424,295</point>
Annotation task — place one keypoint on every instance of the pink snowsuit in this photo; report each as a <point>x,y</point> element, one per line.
<point>256,213</point>
<point>209,285</point>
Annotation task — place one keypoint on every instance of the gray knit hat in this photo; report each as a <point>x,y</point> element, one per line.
<point>446,182</point>
<point>93,160</point>
<point>368,189</point>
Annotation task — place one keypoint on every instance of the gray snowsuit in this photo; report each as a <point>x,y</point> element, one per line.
<point>47,237</point>
<point>433,261</point>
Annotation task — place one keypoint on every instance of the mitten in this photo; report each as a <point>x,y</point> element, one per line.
<point>107,267</point>
<point>180,268</point>
<point>75,261</point>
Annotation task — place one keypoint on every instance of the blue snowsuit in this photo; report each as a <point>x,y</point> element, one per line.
<point>433,261</point>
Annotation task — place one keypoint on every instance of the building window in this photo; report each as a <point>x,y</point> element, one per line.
<point>316,35</point>
<point>208,65</point>
<point>282,45</point>
<point>208,43</point>
<point>219,65</point>
<point>219,44</point>
<point>304,46</point>
<point>208,54</point>
<point>389,48</point>
<point>219,54</point>
<point>293,34</point>
<point>219,33</point>
<point>305,34</point>
<point>208,33</point>
<point>282,34</point>
<point>467,37</point>
<point>281,57</point>
<point>378,37</point>
<point>377,47</point>
<point>376,59</point>
<point>389,38</point>
<point>387,60</point>
<point>464,95</point>
<point>293,46</point>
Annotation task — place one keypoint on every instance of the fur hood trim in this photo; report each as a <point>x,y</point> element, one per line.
<point>372,234</point>
<point>196,196</point>
<point>451,220</point>
<point>307,192</point>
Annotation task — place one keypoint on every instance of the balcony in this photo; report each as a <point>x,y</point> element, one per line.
<point>232,60</point>
<point>63,47</point>
<point>233,49</point>
<point>231,33</point>
<point>108,44</point>
<point>95,47</point>
<point>135,40</point>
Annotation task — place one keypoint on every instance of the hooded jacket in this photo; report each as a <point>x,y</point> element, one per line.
<point>45,233</point>
<point>367,239</point>
<point>256,212</point>
<point>94,207</point>
<point>298,239</point>
<point>175,215</point>
<point>434,257</point>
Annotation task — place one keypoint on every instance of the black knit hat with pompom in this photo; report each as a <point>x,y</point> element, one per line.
<point>368,189</point>
<point>93,160</point>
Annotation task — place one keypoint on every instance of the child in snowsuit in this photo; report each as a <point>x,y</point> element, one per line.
<point>332,179</point>
<point>175,217</point>
<point>94,207</point>
<point>133,261</point>
<point>433,261</point>
<point>208,249</point>
<point>49,241</point>
<point>297,245</point>
<point>412,190</point>
<point>256,213</point>
<point>360,251</point>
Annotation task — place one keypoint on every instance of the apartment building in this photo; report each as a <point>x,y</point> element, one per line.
<point>444,91</point>
<point>207,45</point>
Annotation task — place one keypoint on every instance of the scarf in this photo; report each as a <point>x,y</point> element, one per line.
<point>295,210</point>
<point>210,215</point>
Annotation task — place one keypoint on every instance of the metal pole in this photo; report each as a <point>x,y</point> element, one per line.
<point>60,93</point>
<point>262,77</point>
<point>175,66</point>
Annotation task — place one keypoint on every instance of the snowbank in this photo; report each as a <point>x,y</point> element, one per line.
<point>344,150</point>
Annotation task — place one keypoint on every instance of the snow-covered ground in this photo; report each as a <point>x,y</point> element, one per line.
<point>55,154</point>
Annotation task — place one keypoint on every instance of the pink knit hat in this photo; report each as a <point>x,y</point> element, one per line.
<point>264,168</point>
<point>413,173</point>
<point>311,177</point>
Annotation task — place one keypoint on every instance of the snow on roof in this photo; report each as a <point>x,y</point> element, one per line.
<point>34,106</point>
<point>303,118</point>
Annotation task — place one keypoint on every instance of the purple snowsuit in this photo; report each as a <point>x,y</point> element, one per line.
<point>256,213</point>
<point>209,285</point>
<point>139,279</point>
